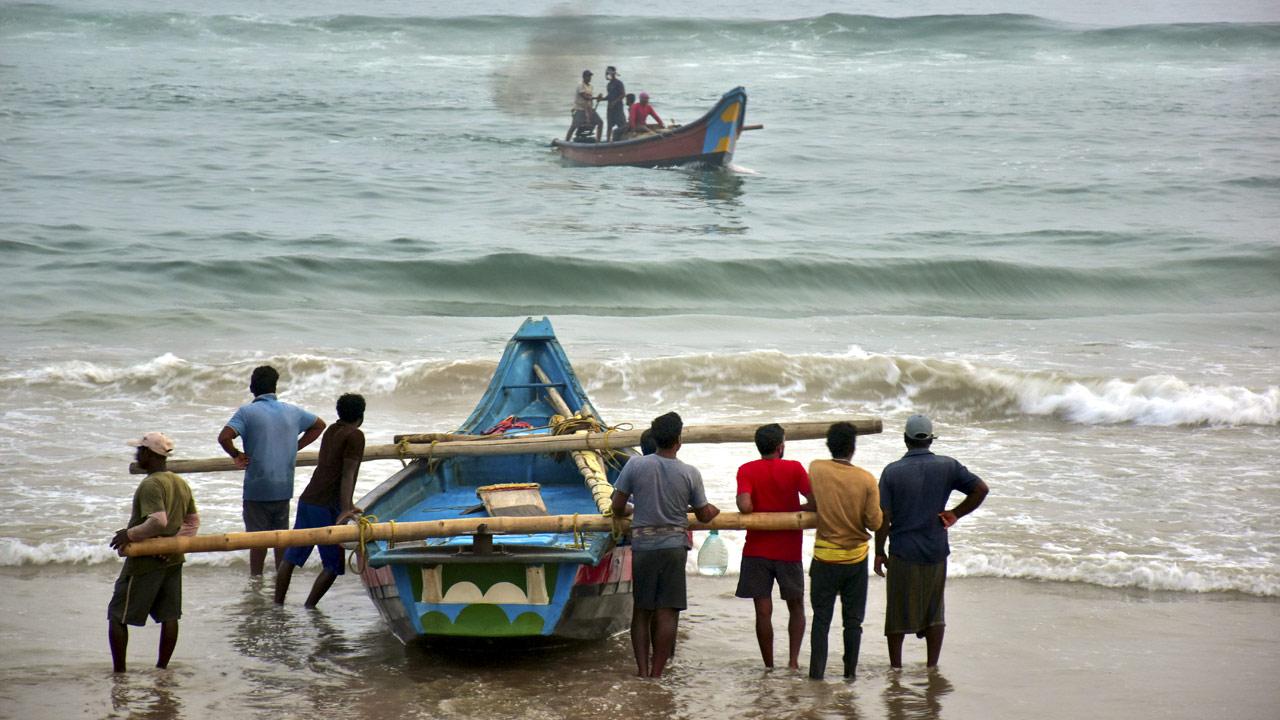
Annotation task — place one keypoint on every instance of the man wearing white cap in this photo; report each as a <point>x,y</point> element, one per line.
<point>913,495</point>
<point>152,584</point>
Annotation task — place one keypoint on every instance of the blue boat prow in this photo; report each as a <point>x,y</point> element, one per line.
<point>551,584</point>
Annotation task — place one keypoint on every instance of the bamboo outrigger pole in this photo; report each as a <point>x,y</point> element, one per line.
<point>420,530</point>
<point>522,444</point>
<point>590,463</point>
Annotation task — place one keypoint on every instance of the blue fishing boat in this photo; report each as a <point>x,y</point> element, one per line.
<point>563,585</point>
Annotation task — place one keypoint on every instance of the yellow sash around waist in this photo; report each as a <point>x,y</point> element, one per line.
<point>832,553</point>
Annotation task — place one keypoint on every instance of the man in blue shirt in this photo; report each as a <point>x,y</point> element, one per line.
<point>913,495</point>
<point>270,430</point>
<point>664,489</point>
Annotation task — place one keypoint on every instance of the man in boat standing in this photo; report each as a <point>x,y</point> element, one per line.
<point>913,495</point>
<point>584,111</point>
<point>772,484</point>
<point>327,500</point>
<point>663,489</point>
<point>271,430</point>
<point>616,116</point>
<point>151,585</point>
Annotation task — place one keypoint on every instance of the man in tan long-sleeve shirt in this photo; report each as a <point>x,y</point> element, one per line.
<point>848,504</point>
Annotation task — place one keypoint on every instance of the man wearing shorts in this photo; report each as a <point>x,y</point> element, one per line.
<point>772,484</point>
<point>584,110</point>
<point>270,430</point>
<point>913,495</point>
<point>328,499</point>
<point>151,585</point>
<point>663,489</point>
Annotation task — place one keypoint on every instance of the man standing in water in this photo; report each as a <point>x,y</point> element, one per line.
<point>270,429</point>
<point>151,585</point>
<point>772,484</point>
<point>913,495</point>
<point>848,505</point>
<point>328,499</point>
<point>663,489</point>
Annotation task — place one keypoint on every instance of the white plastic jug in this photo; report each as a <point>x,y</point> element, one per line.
<point>713,556</point>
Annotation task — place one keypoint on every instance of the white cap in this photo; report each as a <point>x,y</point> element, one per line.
<point>919,428</point>
<point>156,442</point>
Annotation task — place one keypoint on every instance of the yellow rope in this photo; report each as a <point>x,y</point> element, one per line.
<point>578,540</point>
<point>402,449</point>
<point>365,523</point>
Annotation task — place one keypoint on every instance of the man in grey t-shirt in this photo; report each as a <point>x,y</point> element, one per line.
<point>663,489</point>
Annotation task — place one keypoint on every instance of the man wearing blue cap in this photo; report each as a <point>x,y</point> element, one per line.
<point>913,495</point>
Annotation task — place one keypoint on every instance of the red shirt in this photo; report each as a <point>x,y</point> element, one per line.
<point>641,113</point>
<point>774,486</point>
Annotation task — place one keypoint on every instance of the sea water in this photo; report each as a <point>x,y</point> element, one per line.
<point>1052,230</point>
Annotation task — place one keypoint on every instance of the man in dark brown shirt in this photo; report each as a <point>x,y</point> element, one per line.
<point>328,498</point>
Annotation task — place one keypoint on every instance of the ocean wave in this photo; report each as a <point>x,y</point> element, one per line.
<point>1116,570</point>
<point>1119,570</point>
<point>717,383</point>
<point>986,33</point>
<point>17,553</point>
<point>515,283</point>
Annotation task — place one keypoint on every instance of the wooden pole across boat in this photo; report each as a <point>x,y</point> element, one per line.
<point>420,530</point>
<point>523,444</point>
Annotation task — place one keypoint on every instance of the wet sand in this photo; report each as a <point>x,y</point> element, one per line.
<point>1014,649</point>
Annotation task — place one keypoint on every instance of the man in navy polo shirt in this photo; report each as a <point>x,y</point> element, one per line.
<point>270,430</point>
<point>913,495</point>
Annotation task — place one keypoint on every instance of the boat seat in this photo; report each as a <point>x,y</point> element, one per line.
<point>512,499</point>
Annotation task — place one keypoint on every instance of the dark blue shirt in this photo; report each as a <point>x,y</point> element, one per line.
<point>614,92</point>
<point>913,491</point>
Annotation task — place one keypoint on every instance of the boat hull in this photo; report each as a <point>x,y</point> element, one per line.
<point>582,602</point>
<point>709,141</point>
<point>562,585</point>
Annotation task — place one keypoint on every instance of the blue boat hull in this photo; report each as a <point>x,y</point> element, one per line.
<point>563,585</point>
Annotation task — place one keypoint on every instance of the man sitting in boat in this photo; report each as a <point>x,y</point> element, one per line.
<point>584,112</point>
<point>640,114</point>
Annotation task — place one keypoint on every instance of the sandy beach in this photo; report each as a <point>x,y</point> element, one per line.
<point>1014,649</point>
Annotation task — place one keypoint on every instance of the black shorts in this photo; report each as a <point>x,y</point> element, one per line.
<point>586,118</point>
<point>157,593</point>
<point>266,515</point>
<point>657,579</point>
<point>756,578</point>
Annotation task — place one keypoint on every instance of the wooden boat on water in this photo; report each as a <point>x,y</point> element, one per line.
<point>565,585</point>
<point>708,141</point>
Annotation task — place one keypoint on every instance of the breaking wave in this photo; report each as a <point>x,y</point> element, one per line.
<point>715,383</point>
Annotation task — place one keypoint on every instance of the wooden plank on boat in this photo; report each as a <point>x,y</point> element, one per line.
<point>421,530</point>
<point>512,499</point>
<point>526,444</point>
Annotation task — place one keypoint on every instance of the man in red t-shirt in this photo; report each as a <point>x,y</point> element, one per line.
<point>640,114</point>
<point>772,484</point>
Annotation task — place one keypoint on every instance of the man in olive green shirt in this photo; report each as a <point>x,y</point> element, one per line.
<point>152,584</point>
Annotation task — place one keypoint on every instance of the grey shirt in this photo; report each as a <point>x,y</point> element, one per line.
<point>662,490</point>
